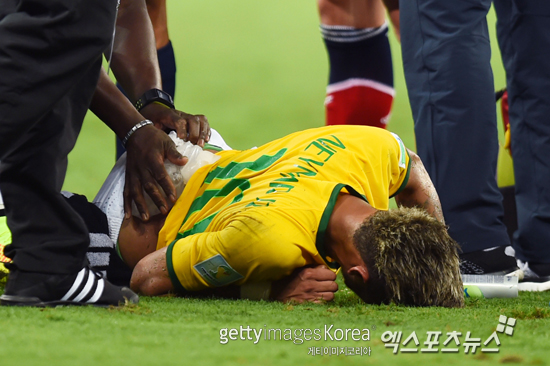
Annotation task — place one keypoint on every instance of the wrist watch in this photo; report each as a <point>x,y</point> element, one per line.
<point>154,95</point>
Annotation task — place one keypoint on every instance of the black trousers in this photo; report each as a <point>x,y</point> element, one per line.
<point>50,57</point>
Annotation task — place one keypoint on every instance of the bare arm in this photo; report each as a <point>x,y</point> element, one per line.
<point>135,65</point>
<point>147,149</point>
<point>134,60</point>
<point>308,284</point>
<point>420,191</point>
<point>136,68</point>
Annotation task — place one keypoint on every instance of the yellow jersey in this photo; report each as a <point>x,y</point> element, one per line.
<point>258,214</point>
<point>5,239</point>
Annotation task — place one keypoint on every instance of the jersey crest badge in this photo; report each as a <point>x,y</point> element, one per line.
<point>216,271</point>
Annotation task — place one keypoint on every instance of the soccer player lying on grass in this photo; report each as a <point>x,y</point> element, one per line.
<point>315,197</point>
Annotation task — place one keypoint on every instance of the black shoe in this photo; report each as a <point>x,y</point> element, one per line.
<point>85,288</point>
<point>536,278</point>
<point>493,262</point>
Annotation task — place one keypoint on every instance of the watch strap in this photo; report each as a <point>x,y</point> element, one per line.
<point>154,95</point>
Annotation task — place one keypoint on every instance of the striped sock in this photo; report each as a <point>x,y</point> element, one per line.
<point>360,89</point>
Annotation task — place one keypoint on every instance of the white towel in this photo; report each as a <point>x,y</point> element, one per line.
<point>110,199</point>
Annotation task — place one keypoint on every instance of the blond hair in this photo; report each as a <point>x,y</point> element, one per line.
<point>410,258</point>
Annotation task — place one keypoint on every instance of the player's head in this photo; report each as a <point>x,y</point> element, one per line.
<point>410,258</point>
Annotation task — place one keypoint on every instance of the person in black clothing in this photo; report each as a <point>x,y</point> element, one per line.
<point>50,62</point>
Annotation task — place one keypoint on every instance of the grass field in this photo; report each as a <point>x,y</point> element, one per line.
<point>258,71</point>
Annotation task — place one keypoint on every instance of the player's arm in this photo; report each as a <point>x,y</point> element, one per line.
<point>420,191</point>
<point>250,251</point>
<point>135,65</point>
<point>136,68</point>
<point>147,148</point>
<point>307,284</point>
<point>150,276</point>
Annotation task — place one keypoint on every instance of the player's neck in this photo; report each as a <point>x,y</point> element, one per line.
<point>138,238</point>
<point>348,214</point>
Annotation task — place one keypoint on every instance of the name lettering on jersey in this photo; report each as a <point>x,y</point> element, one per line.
<point>323,147</point>
<point>306,166</point>
<point>310,162</point>
<point>261,202</point>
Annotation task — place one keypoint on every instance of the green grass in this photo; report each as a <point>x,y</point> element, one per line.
<point>258,70</point>
<point>177,331</point>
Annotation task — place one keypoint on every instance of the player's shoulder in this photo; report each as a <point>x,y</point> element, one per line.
<point>353,132</point>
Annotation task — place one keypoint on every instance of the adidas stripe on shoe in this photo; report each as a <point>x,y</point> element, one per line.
<point>86,288</point>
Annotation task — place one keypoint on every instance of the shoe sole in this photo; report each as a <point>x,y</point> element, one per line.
<point>538,284</point>
<point>534,286</point>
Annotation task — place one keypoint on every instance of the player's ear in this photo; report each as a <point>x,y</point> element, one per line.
<point>359,273</point>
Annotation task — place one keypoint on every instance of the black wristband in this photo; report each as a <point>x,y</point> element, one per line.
<point>154,95</point>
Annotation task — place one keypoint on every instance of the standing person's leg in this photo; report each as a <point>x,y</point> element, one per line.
<point>360,88</point>
<point>50,57</point>
<point>167,61</point>
<point>446,56</point>
<point>43,225</point>
<point>524,38</point>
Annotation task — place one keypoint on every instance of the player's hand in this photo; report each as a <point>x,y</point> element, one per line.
<point>313,284</point>
<point>189,127</point>
<point>147,149</point>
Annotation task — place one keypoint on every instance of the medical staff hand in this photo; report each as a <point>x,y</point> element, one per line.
<point>306,284</point>
<point>147,149</point>
<point>189,127</point>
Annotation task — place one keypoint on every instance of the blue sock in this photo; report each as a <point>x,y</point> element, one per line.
<point>167,63</point>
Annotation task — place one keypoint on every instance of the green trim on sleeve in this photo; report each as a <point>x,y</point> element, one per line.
<point>353,192</point>
<point>406,180</point>
<point>323,224</point>
<point>170,266</point>
<point>212,147</point>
